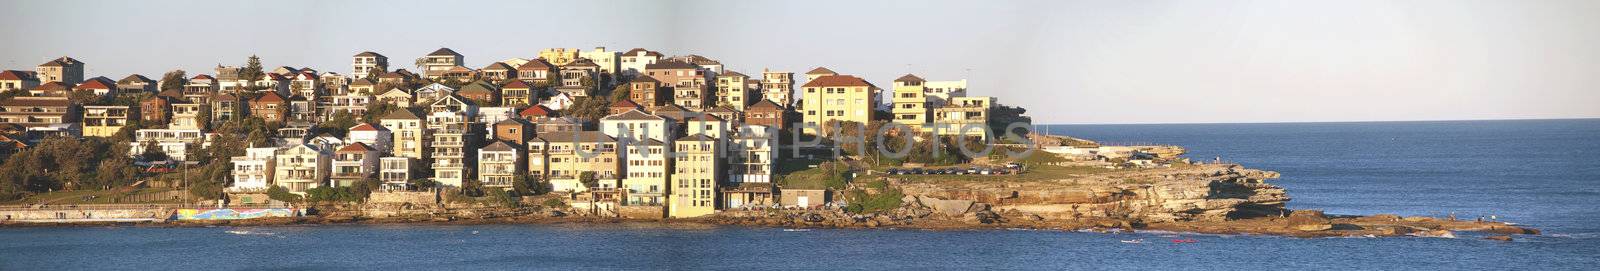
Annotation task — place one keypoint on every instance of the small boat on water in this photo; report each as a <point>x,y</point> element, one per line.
<point>796,229</point>
<point>1134,241</point>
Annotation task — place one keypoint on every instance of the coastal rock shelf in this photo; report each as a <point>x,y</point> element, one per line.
<point>1195,193</point>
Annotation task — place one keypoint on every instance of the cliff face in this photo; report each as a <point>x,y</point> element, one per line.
<point>1192,193</point>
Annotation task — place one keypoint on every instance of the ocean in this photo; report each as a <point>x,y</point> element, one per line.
<point>1540,173</point>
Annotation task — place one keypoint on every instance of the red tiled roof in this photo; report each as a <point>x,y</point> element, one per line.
<point>821,70</point>
<point>203,77</point>
<point>838,81</point>
<point>270,97</point>
<point>16,75</point>
<point>51,86</point>
<point>516,84</point>
<point>95,83</point>
<point>366,127</point>
<point>356,147</point>
<point>536,110</point>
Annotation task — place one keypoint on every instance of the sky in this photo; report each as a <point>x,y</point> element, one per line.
<point>1066,61</point>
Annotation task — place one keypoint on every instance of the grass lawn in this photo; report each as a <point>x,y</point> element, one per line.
<point>1040,173</point>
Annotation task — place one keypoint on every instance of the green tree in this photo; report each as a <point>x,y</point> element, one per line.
<point>523,185</point>
<point>85,97</point>
<point>1002,115</point>
<point>174,80</point>
<point>252,70</point>
<point>590,108</point>
<point>588,178</point>
<point>621,92</point>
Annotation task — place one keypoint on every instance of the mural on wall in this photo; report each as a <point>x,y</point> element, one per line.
<point>230,214</point>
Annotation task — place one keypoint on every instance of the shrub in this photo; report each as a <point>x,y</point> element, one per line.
<point>280,194</point>
<point>554,203</point>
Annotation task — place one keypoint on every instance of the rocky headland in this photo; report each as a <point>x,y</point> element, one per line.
<point>1198,198</point>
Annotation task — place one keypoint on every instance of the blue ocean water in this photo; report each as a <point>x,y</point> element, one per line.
<point>1543,173</point>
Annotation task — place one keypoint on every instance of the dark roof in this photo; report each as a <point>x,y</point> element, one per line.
<point>625,103</point>
<point>671,108</point>
<point>499,146</point>
<point>363,82</point>
<point>498,66</point>
<point>582,62</point>
<point>477,86</point>
<point>699,60</point>
<point>16,75</point>
<point>369,53</point>
<point>909,78</point>
<point>63,61</point>
<point>134,78</point>
<point>766,104</point>
<point>534,64</point>
<point>697,137</point>
<point>723,109</point>
<point>516,84</point>
<point>644,79</point>
<point>402,114</point>
<point>670,65</point>
<point>634,114</point>
<point>38,101</point>
<point>636,51</point>
<point>516,121</point>
<point>821,70</point>
<point>733,73</point>
<point>444,52</point>
<point>580,136</point>
<point>838,81</point>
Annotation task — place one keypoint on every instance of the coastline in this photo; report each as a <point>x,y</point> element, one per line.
<point>1346,226</point>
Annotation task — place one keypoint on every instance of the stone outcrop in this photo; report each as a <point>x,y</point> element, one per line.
<point>1192,193</point>
<point>1309,220</point>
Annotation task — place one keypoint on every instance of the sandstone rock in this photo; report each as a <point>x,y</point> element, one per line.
<point>1309,220</point>
<point>1385,217</point>
<point>1392,231</point>
<point>1417,219</point>
<point>948,207</point>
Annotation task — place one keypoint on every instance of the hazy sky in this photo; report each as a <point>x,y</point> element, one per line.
<point>1067,61</point>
